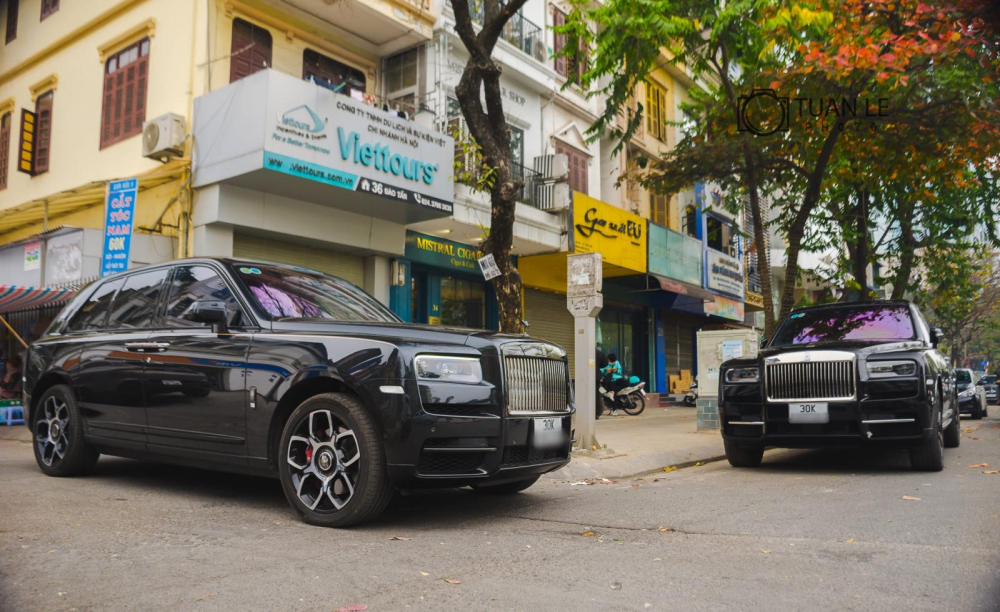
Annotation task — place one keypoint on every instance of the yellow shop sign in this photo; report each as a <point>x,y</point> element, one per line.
<point>619,236</point>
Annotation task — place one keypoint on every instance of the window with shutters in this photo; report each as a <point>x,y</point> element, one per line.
<point>251,50</point>
<point>656,111</point>
<point>328,72</point>
<point>5,122</point>
<point>49,7</point>
<point>659,209</point>
<point>43,139</point>
<point>578,165</point>
<point>12,6</point>
<point>568,66</point>
<point>126,75</point>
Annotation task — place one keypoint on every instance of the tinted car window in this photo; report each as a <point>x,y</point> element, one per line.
<point>963,377</point>
<point>135,304</point>
<point>297,293</point>
<point>865,323</point>
<point>989,380</point>
<point>94,312</point>
<point>194,283</point>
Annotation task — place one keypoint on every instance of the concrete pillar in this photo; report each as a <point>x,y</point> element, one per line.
<point>377,277</point>
<point>213,240</point>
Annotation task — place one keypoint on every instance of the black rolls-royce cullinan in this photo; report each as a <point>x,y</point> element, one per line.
<point>282,371</point>
<point>843,375</point>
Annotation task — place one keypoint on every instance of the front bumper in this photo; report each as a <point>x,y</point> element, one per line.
<point>966,405</point>
<point>899,422</point>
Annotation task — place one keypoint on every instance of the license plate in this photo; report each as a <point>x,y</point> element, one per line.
<point>547,433</point>
<point>814,412</point>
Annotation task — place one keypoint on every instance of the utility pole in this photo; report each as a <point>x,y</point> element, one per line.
<point>584,282</point>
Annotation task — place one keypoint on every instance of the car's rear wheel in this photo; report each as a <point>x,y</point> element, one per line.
<point>59,443</point>
<point>743,456</point>
<point>929,457</point>
<point>507,488</point>
<point>977,412</point>
<point>332,463</point>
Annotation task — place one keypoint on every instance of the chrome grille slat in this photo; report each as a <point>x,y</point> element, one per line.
<point>535,385</point>
<point>810,380</point>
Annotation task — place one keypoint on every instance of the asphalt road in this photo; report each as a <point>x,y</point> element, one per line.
<point>807,531</point>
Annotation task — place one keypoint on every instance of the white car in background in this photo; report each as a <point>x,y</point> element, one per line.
<point>971,397</point>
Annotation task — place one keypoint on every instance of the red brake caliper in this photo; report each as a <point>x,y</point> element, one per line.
<point>309,454</point>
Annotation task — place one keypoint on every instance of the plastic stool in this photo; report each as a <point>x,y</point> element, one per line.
<point>14,416</point>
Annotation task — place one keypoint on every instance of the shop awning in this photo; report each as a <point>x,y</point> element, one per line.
<point>19,297</point>
<point>683,288</point>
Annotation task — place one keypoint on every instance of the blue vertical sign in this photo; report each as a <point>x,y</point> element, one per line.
<point>119,213</point>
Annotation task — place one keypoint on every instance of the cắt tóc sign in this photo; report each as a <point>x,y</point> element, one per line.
<point>119,215</point>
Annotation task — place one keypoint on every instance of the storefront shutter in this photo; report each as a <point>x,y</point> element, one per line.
<point>347,267</point>
<point>549,319</point>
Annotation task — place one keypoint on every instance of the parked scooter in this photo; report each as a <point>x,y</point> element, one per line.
<point>631,399</point>
<point>691,398</point>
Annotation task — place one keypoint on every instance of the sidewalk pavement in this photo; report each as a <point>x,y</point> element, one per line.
<point>657,438</point>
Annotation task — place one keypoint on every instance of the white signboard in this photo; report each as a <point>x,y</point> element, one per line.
<point>731,349</point>
<point>725,273</point>
<point>313,133</point>
<point>489,267</point>
<point>584,275</point>
<point>64,258</point>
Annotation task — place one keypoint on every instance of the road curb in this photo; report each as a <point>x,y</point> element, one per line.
<point>581,468</point>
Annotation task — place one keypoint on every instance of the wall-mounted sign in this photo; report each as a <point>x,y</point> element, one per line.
<point>619,236</point>
<point>441,253</point>
<point>489,267</point>
<point>724,273</point>
<point>318,135</point>
<point>755,299</point>
<point>726,308</point>
<point>119,216</point>
<point>675,255</point>
<point>26,154</point>
<point>32,256</point>
<point>64,258</point>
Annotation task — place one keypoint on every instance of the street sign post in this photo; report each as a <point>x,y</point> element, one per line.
<point>584,282</point>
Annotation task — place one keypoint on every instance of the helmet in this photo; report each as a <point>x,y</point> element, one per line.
<point>633,380</point>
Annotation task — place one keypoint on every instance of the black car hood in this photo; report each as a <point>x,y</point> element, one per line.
<point>397,332</point>
<point>861,347</point>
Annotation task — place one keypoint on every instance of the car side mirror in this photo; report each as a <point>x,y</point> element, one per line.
<point>937,336</point>
<point>980,383</point>
<point>212,312</point>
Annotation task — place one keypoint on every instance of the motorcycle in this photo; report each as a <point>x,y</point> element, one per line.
<point>691,398</point>
<point>631,399</point>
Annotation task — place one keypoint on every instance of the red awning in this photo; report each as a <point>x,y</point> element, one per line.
<point>18,297</point>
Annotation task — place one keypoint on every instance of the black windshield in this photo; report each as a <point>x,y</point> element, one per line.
<point>963,377</point>
<point>297,293</point>
<point>864,323</point>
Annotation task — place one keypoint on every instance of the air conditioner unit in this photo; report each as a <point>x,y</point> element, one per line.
<point>163,137</point>
<point>553,196</point>
<point>552,167</point>
<point>538,51</point>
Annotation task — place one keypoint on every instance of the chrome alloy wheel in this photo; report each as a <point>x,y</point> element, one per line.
<point>52,429</point>
<point>324,458</point>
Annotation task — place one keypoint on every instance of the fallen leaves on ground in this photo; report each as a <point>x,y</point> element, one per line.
<point>582,483</point>
<point>452,581</point>
<point>202,598</point>
<point>670,468</point>
<point>849,540</point>
<point>765,551</point>
<point>606,481</point>
<point>399,538</point>
<point>615,586</point>
<point>666,529</point>
<point>588,534</point>
<point>979,465</point>
<point>353,608</point>
<point>991,471</point>
<point>911,498</point>
<point>699,463</point>
<point>424,574</point>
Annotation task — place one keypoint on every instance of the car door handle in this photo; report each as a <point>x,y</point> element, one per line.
<point>147,347</point>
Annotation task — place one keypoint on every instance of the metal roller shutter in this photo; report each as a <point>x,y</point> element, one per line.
<point>549,319</point>
<point>347,267</point>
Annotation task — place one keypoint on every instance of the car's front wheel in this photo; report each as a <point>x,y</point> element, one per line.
<point>743,456</point>
<point>929,456</point>
<point>57,425</point>
<point>331,462</point>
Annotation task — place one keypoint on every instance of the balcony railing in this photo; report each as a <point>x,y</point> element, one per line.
<point>530,181</point>
<point>520,32</point>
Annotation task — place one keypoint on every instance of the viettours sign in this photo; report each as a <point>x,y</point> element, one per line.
<point>321,136</point>
<point>724,273</point>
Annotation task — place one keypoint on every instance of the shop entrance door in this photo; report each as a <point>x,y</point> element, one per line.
<point>623,331</point>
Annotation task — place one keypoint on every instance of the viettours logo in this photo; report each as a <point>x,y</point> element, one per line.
<point>763,112</point>
<point>383,159</point>
<point>305,119</point>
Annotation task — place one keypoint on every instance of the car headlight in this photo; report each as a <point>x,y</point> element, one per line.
<point>967,393</point>
<point>449,369</point>
<point>889,369</point>
<point>742,375</point>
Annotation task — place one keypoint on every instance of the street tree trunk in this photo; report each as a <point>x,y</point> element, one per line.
<point>488,126</point>
<point>907,251</point>
<point>860,261</point>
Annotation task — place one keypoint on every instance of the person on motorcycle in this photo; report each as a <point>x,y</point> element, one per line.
<point>613,378</point>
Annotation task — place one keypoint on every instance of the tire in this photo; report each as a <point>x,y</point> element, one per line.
<point>507,488</point>
<point>331,462</point>
<point>58,413</point>
<point>640,405</point>
<point>953,435</point>
<point>929,457</point>
<point>743,456</point>
<point>977,413</point>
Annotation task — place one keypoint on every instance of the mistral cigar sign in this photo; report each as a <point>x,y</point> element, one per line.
<point>319,135</point>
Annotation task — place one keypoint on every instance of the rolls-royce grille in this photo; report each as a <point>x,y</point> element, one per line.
<point>535,384</point>
<point>810,380</point>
